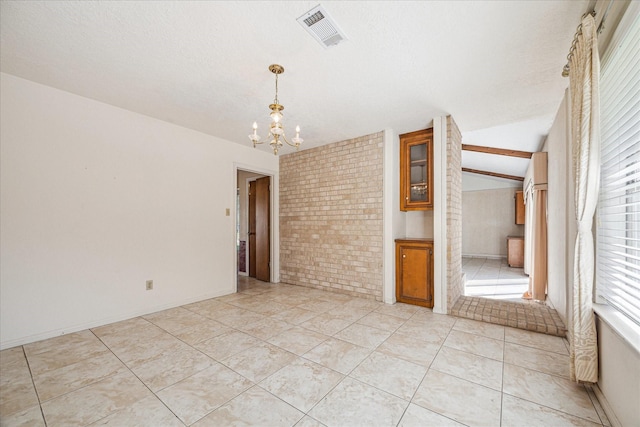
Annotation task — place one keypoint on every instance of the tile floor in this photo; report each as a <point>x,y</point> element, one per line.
<point>282,355</point>
<point>493,293</point>
<point>493,278</point>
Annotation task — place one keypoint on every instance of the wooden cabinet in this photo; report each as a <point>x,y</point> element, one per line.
<point>416,170</point>
<point>519,207</point>
<point>414,271</point>
<point>515,251</point>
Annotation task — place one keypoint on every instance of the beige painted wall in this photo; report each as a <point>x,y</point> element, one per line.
<point>488,217</point>
<point>95,200</point>
<point>560,224</point>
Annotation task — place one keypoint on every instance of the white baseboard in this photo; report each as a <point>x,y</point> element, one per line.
<point>81,327</point>
<point>606,407</point>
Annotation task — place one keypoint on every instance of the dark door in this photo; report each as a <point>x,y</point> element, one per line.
<point>259,229</point>
<point>252,229</point>
<point>263,243</point>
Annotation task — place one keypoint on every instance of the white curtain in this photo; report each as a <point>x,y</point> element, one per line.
<point>585,134</point>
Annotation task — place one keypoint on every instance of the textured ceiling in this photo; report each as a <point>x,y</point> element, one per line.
<point>494,65</point>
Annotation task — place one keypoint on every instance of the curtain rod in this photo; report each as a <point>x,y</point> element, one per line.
<point>565,69</point>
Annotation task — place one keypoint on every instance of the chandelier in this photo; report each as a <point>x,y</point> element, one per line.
<point>276,130</point>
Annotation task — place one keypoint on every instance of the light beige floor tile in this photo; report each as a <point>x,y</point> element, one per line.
<point>302,383</point>
<point>409,349</point>
<point>403,311</point>
<point>417,416</point>
<point>338,355</point>
<point>488,330</point>
<point>63,380</point>
<point>549,390</point>
<point>17,393</point>
<point>318,305</point>
<point>433,319</point>
<point>227,344</point>
<point>515,410</point>
<point>353,403</point>
<point>469,366</point>
<point>460,400</point>
<point>196,396</point>
<point>326,324</point>
<point>295,315</point>
<point>424,331</point>
<point>138,331</point>
<point>307,421</point>
<point>266,328</point>
<point>239,317</point>
<point>334,297</point>
<point>136,327</point>
<point>205,307</point>
<point>538,360</point>
<point>267,308</point>
<point>58,352</point>
<point>388,373</point>
<point>363,335</point>
<point>232,297</point>
<point>254,407</point>
<point>174,319</point>
<point>349,313</point>
<point>382,321</point>
<point>203,331</point>
<point>12,357</point>
<point>30,417</point>
<point>476,344</point>
<point>364,304</point>
<point>298,340</point>
<point>136,350</point>
<point>147,412</point>
<point>169,368</point>
<point>260,361</point>
<point>294,299</point>
<point>535,340</point>
<point>94,402</point>
<point>80,341</point>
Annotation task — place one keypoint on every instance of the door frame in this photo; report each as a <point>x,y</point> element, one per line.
<point>273,219</point>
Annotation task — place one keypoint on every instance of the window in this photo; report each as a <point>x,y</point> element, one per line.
<point>618,226</point>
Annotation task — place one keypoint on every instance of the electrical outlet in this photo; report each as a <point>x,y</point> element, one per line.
<point>149,285</point>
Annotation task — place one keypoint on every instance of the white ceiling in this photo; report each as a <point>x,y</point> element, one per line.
<point>493,65</point>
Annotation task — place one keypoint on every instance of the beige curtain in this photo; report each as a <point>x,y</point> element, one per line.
<point>585,135</point>
<point>538,274</point>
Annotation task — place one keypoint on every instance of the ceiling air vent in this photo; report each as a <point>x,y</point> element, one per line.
<point>322,27</point>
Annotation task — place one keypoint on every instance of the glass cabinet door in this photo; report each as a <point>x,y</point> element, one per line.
<point>416,170</point>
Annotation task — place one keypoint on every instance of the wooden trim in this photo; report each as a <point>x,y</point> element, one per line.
<point>497,175</point>
<point>499,151</point>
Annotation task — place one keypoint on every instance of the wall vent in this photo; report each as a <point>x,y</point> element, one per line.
<point>322,27</point>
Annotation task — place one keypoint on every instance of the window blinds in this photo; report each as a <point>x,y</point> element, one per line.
<point>618,236</point>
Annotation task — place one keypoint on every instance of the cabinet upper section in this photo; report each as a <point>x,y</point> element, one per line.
<point>416,170</point>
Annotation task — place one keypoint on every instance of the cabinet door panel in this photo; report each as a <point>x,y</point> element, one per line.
<point>416,170</point>
<point>414,273</point>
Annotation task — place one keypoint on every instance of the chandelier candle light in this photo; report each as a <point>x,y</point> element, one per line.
<point>276,130</point>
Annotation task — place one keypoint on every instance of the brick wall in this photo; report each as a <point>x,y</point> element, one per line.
<point>454,214</point>
<point>331,206</point>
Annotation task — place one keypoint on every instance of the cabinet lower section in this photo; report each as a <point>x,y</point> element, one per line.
<point>414,271</point>
<point>515,251</point>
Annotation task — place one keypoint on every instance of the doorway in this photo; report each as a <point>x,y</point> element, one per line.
<point>253,225</point>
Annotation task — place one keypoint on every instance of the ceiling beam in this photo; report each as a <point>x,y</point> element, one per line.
<point>497,175</point>
<point>500,151</point>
